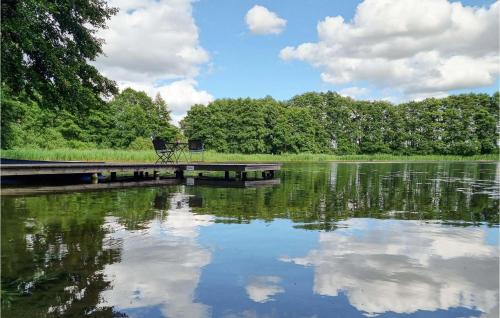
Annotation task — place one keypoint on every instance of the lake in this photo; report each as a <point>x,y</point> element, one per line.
<point>331,240</point>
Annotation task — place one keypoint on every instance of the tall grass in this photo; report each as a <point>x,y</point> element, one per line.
<point>209,156</point>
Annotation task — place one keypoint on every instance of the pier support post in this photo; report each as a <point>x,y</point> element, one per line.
<point>244,176</point>
<point>94,178</point>
<point>226,175</point>
<point>156,175</point>
<point>113,176</point>
<point>136,174</point>
<point>146,174</point>
<point>179,174</point>
<point>141,174</point>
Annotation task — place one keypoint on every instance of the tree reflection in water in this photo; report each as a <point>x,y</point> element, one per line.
<point>137,251</point>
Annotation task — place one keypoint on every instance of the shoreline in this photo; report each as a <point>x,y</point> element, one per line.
<point>119,155</point>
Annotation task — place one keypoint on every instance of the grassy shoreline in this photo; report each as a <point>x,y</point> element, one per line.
<point>113,155</point>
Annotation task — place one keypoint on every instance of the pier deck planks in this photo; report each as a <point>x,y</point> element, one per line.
<point>91,168</point>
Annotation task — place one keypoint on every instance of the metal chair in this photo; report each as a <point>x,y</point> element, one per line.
<point>196,146</point>
<point>165,154</point>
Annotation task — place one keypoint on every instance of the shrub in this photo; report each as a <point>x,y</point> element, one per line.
<point>141,143</point>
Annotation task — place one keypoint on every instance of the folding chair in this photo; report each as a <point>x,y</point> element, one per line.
<point>165,154</point>
<point>195,145</point>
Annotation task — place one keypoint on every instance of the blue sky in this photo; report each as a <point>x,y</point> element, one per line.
<point>193,52</point>
<point>249,65</point>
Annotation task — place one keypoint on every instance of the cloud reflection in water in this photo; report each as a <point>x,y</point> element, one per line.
<point>161,265</point>
<point>406,266</point>
<point>261,289</point>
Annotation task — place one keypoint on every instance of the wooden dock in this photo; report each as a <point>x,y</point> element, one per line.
<point>138,169</point>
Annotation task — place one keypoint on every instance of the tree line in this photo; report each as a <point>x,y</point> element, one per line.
<point>311,122</point>
<point>330,123</point>
<point>125,122</point>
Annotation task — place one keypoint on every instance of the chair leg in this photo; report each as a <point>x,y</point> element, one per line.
<point>170,156</point>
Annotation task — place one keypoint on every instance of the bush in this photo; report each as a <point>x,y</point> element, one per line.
<point>465,148</point>
<point>76,144</point>
<point>141,143</point>
<point>48,138</point>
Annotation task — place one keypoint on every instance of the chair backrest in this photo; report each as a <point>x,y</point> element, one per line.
<point>159,144</point>
<point>195,145</point>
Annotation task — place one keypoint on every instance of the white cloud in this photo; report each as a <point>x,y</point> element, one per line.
<point>421,266</point>
<point>151,41</point>
<point>262,21</point>
<point>390,45</point>
<point>353,91</point>
<point>181,95</point>
<point>262,288</point>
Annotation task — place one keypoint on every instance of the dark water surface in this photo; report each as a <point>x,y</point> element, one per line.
<point>332,240</point>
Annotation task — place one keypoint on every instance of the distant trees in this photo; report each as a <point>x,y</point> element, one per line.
<point>251,126</point>
<point>330,123</point>
<point>312,122</point>
<point>127,121</point>
<point>136,117</point>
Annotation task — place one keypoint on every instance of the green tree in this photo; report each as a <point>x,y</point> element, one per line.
<point>46,49</point>
<point>328,122</point>
<point>136,115</point>
<point>372,122</point>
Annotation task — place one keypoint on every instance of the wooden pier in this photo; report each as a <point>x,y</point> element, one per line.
<point>139,170</point>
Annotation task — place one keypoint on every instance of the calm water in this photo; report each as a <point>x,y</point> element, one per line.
<point>332,240</point>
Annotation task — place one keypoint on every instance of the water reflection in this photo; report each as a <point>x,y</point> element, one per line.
<point>346,240</point>
<point>160,266</point>
<point>319,195</point>
<point>262,288</point>
<point>406,266</point>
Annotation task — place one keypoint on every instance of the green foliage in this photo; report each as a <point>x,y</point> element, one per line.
<point>46,49</point>
<point>331,124</point>
<point>319,123</point>
<point>128,121</point>
<point>251,126</point>
<point>141,143</point>
<point>136,115</point>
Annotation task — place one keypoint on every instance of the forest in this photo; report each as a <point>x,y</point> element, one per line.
<point>312,122</point>
<point>330,123</point>
<point>125,122</point>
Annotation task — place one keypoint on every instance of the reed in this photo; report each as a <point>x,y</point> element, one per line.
<point>115,155</point>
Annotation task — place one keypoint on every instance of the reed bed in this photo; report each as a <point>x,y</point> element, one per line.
<point>114,155</point>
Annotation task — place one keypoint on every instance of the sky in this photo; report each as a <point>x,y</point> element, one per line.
<point>192,52</point>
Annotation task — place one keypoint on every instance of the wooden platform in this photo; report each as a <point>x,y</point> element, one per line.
<point>100,168</point>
